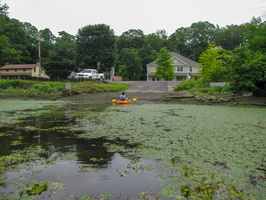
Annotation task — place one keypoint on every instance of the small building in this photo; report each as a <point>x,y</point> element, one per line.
<point>23,71</point>
<point>185,68</point>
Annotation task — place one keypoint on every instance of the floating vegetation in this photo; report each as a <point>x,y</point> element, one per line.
<point>36,187</point>
<point>197,152</point>
<point>196,141</point>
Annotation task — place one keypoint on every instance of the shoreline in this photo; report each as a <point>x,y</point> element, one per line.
<point>152,97</point>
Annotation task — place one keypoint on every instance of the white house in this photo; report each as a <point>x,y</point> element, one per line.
<point>185,68</point>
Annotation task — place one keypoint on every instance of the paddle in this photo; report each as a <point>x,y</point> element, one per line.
<point>134,99</point>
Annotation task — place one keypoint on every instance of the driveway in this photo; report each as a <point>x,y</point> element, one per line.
<point>151,86</point>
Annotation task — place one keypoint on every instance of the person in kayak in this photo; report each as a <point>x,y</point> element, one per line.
<point>123,97</point>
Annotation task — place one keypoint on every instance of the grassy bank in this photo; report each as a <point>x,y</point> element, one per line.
<point>50,90</point>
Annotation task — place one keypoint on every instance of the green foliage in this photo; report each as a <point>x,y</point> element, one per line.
<point>189,84</point>
<point>211,90</point>
<point>19,88</point>
<point>91,87</point>
<point>7,53</point>
<point>16,83</point>
<point>200,34</point>
<point>214,64</point>
<point>130,64</point>
<point>231,36</point>
<point>254,35</point>
<point>61,58</point>
<point>132,39</point>
<point>180,40</point>
<point>45,88</point>
<point>96,43</point>
<point>198,87</point>
<point>165,69</point>
<point>249,70</point>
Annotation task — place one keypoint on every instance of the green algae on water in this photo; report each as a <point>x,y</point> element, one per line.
<point>228,142</point>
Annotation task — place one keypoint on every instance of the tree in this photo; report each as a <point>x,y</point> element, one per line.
<point>214,64</point>
<point>7,53</point>
<point>4,9</point>
<point>61,58</point>
<point>32,44</point>
<point>131,62</point>
<point>147,55</point>
<point>180,40</point>
<point>96,44</point>
<point>230,37</point>
<point>165,69</point>
<point>133,38</point>
<point>17,36</point>
<point>200,34</point>
<point>249,71</point>
<point>47,45</point>
<point>255,35</point>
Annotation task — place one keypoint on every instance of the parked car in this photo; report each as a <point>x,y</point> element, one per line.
<point>89,74</point>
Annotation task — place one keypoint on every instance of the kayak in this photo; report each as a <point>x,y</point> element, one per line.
<point>123,102</point>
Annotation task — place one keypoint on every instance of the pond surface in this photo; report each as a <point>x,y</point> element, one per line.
<point>63,150</point>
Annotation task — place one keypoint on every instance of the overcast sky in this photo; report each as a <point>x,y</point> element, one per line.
<point>122,15</point>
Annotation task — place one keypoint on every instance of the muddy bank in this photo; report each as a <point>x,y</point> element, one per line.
<point>163,97</point>
<point>108,97</point>
<point>172,97</point>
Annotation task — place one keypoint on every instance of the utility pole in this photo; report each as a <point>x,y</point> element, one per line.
<point>39,39</point>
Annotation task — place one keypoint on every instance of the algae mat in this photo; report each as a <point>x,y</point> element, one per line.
<point>212,152</point>
<point>195,152</point>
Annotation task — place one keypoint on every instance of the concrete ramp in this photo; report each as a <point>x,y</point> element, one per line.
<point>151,86</point>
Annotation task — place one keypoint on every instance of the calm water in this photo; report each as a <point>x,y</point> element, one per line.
<point>84,166</point>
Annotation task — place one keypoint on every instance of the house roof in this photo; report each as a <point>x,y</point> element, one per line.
<point>184,59</point>
<point>20,66</point>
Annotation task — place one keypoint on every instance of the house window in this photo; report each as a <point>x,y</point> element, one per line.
<point>175,61</point>
<point>178,78</point>
<point>24,70</point>
<point>34,69</point>
<point>16,70</point>
<point>6,70</point>
<point>190,69</point>
<point>180,69</point>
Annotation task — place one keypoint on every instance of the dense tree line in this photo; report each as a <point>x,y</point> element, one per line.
<point>97,46</point>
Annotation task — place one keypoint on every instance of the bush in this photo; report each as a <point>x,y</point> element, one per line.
<point>15,83</point>
<point>92,87</point>
<point>48,89</point>
<point>216,90</point>
<point>44,88</point>
<point>189,84</point>
<point>4,84</point>
<point>227,89</point>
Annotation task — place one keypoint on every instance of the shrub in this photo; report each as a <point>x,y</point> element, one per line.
<point>4,84</point>
<point>215,90</point>
<point>15,83</point>
<point>189,84</point>
<point>43,88</point>
<point>226,89</point>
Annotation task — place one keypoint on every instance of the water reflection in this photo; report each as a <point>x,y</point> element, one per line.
<point>93,171</point>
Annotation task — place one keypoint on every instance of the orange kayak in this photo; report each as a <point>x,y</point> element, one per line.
<point>123,102</point>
